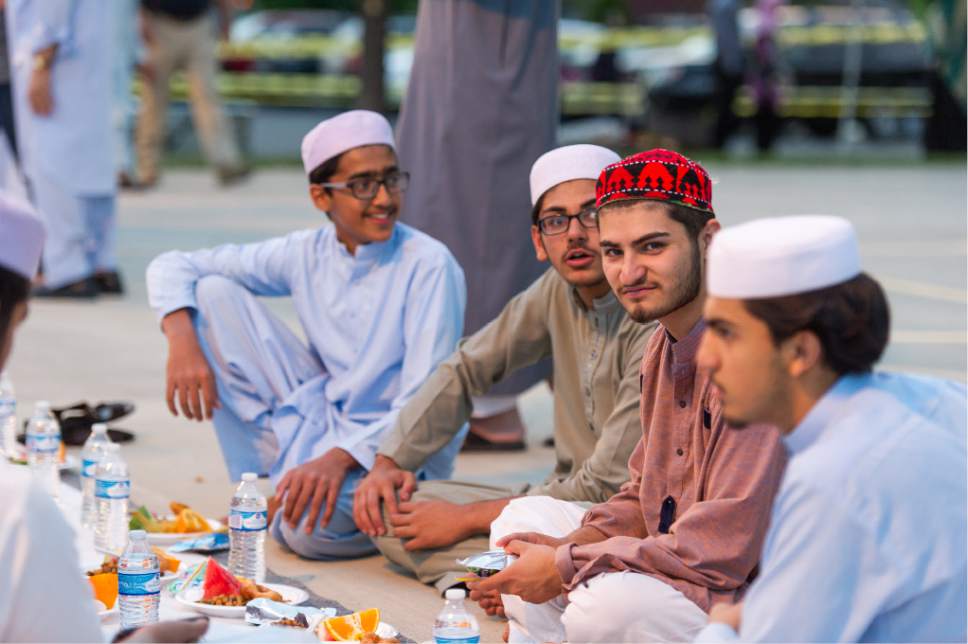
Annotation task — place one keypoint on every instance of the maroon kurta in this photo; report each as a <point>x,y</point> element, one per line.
<point>696,508</point>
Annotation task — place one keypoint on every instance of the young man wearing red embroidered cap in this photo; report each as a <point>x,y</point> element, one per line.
<point>685,532</point>
<point>380,304</point>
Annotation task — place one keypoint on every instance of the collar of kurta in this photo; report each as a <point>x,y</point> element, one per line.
<point>604,304</point>
<point>366,254</point>
<point>822,414</point>
<point>684,350</point>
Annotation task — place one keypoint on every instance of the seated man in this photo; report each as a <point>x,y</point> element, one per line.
<point>868,537</point>
<point>381,304</point>
<point>686,531</point>
<point>569,314</point>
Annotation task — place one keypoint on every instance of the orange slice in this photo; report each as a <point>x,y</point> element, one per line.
<point>352,628</point>
<point>105,587</point>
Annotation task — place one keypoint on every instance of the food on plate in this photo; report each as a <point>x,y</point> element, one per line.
<point>185,521</point>
<point>373,638</point>
<point>355,627</point>
<point>109,565</point>
<point>105,585</point>
<point>222,588</point>
<point>299,621</point>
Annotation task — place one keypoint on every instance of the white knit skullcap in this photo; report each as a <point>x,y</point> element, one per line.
<point>344,132</point>
<point>568,163</point>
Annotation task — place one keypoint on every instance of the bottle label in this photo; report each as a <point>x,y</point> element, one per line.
<point>88,467</point>
<point>112,489</point>
<point>8,407</point>
<point>248,521</point>
<point>457,640</point>
<point>43,443</point>
<point>139,583</point>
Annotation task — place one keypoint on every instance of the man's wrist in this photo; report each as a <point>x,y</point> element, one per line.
<point>346,459</point>
<point>382,462</point>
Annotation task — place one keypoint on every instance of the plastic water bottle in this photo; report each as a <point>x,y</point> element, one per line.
<point>8,416</point>
<point>454,625</point>
<point>43,448</point>
<point>139,583</point>
<point>248,520</point>
<point>94,449</point>
<point>111,490</point>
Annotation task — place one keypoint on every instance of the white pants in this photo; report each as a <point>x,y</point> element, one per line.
<point>611,607</point>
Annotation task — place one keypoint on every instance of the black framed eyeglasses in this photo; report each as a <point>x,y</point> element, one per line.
<point>557,224</point>
<point>365,188</point>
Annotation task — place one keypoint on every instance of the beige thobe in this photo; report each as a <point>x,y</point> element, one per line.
<point>596,354</point>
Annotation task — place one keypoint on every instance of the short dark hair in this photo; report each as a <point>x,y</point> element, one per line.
<point>538,205</point>
<point>14,289</point>
<point>692,219</point>
<point>325,170</point>
<point>852,320</point>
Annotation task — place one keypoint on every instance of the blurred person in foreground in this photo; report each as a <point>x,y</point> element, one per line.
<point>180,35</point>
<point>568,314</point>
<point>868,539</point>
<point>481,105</point>
<point>380,303</point>
<point>685,532</point>
<point>43,594</point>
<point>61,63</point>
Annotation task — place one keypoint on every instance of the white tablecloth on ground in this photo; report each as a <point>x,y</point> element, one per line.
<point>220,629</point>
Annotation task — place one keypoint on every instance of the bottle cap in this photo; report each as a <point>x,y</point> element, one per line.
<point>454,593</point>
<point>136,534</point>
<point>249,476</point>
<point>99,428</point>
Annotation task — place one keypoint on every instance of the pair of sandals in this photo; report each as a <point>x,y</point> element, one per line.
<point>76,421</point>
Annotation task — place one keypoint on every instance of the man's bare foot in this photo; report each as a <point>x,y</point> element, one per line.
<point>500,431</point>
<point>272,506</point>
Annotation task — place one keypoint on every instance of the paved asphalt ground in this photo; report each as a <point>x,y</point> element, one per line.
<point>912,225</point>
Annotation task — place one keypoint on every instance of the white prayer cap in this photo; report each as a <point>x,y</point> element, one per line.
<point>571,162</point>
<point>21,237</point>
<point>782,256</point>
<point>344,132</point>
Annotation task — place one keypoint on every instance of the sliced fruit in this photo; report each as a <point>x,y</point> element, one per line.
<point>105,587</point>
<point>166,562</point>
<point>177,507</point>
<point>352,627</point>
<point>219,581</point>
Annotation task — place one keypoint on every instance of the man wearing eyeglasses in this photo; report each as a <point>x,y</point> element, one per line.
<point>381,304</point>
<point>570,315</point>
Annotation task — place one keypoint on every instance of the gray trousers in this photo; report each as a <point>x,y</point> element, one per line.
<point>439,566</point>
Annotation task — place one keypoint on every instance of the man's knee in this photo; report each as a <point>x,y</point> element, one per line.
<point>338,540</point>
<point>623,605</point>
<point>523,514</point>
<point>215,290</point>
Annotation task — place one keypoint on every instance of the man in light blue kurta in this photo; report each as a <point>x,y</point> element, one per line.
<point>869,530</point>
<point>381,305</point>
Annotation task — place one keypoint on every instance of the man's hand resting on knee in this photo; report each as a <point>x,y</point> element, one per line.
<point>436,524</point>
<point>381,486</point>
<point>315,484</point>
<point>189,378</point>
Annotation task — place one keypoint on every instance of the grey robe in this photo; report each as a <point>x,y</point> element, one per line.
<point>481,107</point>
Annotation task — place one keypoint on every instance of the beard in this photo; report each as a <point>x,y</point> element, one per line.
<point>685,291</point>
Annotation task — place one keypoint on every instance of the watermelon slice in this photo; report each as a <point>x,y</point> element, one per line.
<point>219,581</point>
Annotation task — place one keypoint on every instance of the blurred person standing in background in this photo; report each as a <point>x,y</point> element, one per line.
<point>481,106</point>
<point>124,17</point>
<point>724,19</point>
<point>61,73</point>
<point>180,35</point>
